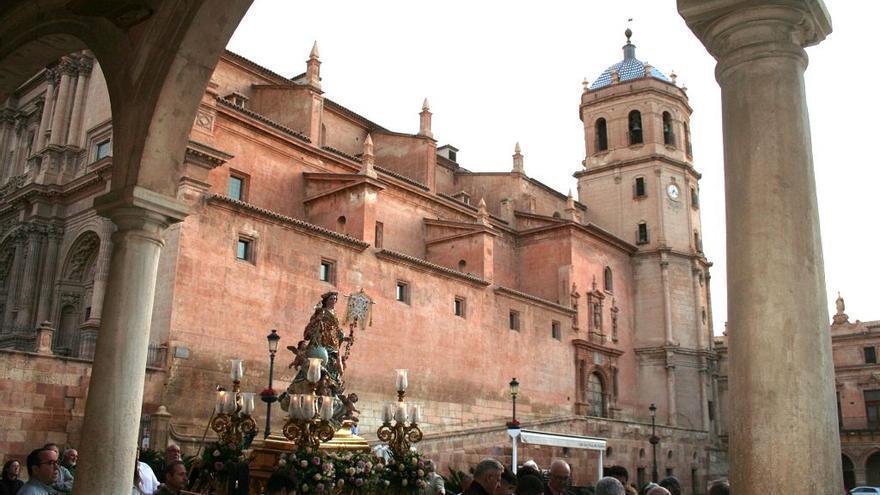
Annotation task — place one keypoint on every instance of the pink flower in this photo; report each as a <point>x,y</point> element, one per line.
<point>316,461</point>
<point>358,482</point>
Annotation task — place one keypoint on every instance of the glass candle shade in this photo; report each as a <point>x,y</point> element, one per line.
<point>400,412</point>
<point>308,406</point>
<point>247,402</point>
<point>388,412</point>
<point>326,411</point>
<point>232,401</point>
<point>415,414</point>
<point>313,375</point>
<point>401,381</point>
<point>237,371</point>
<point>220,403</point>
<point>294,410</point>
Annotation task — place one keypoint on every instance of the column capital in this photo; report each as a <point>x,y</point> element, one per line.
<point>736,31</point>
<point>138,208</point>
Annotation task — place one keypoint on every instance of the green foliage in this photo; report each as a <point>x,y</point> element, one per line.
<point>453,481</point>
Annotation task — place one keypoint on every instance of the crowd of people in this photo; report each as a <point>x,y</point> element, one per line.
<point>52,471</point>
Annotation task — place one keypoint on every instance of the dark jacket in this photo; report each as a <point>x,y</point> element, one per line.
<point>10,487</point>
<point>476,489</point>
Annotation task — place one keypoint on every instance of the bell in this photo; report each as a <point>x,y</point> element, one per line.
<point>636,126</point>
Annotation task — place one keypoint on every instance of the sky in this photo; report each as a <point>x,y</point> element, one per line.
<point>498,72</point>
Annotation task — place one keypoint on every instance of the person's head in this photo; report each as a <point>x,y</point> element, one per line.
<point>719,488</point>
<point>172,453</point>
<point>42,465</point>
<point>280,483</point>
<point>70,457</point>
<point>466,480</point>
<point>507,484</point>
<point>488,474</point>
<point>53,447</point>
<point>11,470</point>
<point>529,485</point>
<point>610,485</point>
<point>560,473</point>
<point>430,467</point>
<point>328,300</point>
<point>618,472</point>
<point>175,475</point>
<point>657,490</point>
<point>528,470</point>
<point>672,484</point>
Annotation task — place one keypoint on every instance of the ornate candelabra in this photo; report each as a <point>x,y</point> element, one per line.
<point>232,418</point>
<point>308,424</point>
<point>400,436</point>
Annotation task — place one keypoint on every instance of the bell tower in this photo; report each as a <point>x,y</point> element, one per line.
<point>639,183</point>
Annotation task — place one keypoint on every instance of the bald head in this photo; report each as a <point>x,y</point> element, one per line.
<point>609,485</point>
<point>560,472</point>
<point>658,490</point>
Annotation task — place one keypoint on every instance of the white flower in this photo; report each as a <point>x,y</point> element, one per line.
<point>404,482</point>
<point>317,477</point>
<point>282,462</point>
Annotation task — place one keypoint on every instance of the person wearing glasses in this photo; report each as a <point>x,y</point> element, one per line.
<point>560,475</point>
<point>42,466</point>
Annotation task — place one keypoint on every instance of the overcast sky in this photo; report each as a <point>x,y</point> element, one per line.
<point>500,72</point>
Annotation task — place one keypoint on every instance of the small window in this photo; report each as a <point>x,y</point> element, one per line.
<point>236,188</point>
<point>711,409</point>
<point>609,279</point>
<point>556,330</point>
<point>466,199</point>
<point>452,155</point>
<point>340,223</point>
<point>459,306</point>
<point>380,235</point>
<point>870,355</point>
<point>514,320</point>
<point>102,149</point>
<point>687,141</point>
<point>640,189</point>
<point>601,135</point>
<point>695,198</point>
<point>462,264</point>
<point>642,235</point>
<point>401,292</point>
<point>327,271</point>
<point>872,408</point>
<point>244,249</point>
<point>556,214</point>
<point>635,127</point>
<point>668,133</point>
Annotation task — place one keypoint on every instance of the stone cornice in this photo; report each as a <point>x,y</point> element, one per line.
<point>260,118</point>
<point>346,181</point>
<point>205,156</point>
<point>592,229</point>
<point>528,179</point>
<point>684,166</point>
<point>424,264</point>
<point>515,294</point>
<point>586,345</point>
<point>256,211</point>
<point>34,190</point>
<point>465,230</point>
<point>680,95</point>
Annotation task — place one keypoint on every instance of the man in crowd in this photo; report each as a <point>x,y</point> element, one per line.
<point>486,477</point>
<point>436,485</point>
<point>609,485</point>
<point>42,466</point>
<point>69,460</point>
<point>529,485</point>
<point>622,476</point>
<point>560,475</point>
<point>175,479</point>
<point>672,484</point>
<point>507,483</point>
<point>719,488</point>
<point>172,454</point>
<point>64,482</point>
<point>656,490</point>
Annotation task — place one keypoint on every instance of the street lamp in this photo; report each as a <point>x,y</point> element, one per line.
<point>654,441</point>
<point>513,425</point>
<point>273,339</point>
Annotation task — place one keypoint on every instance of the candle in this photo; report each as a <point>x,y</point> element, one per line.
<point>388,412</point>
<point>416,414</point>
<point>400,414</point>
<point>247,405</point>
<point>401,381</point>
<point>293,410</point>
<point>220,404</point>
<point>326,408</point>
<point>313,375</point>
<point>237,370</point>
<point>308,406</point>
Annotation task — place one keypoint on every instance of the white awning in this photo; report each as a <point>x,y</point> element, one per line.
<point>559,440</point>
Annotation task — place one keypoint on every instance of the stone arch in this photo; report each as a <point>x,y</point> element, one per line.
<point>74,291</point>
<point>597,393</point>
<point>849,472</point>
<point>872,468</point>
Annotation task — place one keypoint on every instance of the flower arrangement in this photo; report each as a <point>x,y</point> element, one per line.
<point>218,457</point>
<point>405,473</point>
<point>319,471</point>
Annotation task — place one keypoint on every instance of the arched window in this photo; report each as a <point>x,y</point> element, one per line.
<point>642,233</point>
<point>601,135</point>
<point>596,396</point>
<point>872,469</point>
<point>668,133</point>
<point>462,264</point>
<point>556,214</point>
<point>849,472</point>
<point>635,127</point>
<point>77,281</point>
<point>609,279</point>
<point>687,141</point>
<point>67,343</point>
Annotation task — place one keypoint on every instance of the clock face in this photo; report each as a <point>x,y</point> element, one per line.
<point>672,191</point>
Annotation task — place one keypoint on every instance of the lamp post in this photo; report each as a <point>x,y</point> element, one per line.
<point>654,441</point>
<point>513,426</point>
<point>273,339</point>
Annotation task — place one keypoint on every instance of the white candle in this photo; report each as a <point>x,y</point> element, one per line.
<point>237,370</point>
<point>401,381</point>
<point>247,405</point>
<point>416,414</point>
<point>313,375</point>
<point>326,408</point>
<point>400,414</point>
<point>388,412</point>
<point>220,404</point>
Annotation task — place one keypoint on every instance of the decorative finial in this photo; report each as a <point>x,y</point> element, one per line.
<point>517,149</point>
<point>586,85</point>
<point>518,163</point>
<point>425,105</point>
<point>673,76</point>
<point>368,159</point>
<point>482,212</point>
<point>628,34</point>
<point>425,120</point>
<point>840,317</point>
<point>314,53</point>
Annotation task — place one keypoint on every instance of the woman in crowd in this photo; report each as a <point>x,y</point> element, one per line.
<point>9,483</point>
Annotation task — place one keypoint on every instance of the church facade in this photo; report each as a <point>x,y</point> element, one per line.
<point>599,306</point>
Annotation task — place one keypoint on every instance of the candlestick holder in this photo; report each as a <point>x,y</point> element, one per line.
<point>309,422</point>
<point>232,420</point>
<point>400,436</point>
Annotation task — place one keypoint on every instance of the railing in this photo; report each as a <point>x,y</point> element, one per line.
<point>156,355</point>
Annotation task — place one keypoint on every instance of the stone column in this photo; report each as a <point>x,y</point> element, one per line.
<point>84,69</point>
<point>102,268</point>
<point>59,117</point>
<point>672,411</point>
<point>667,303</point>
<point>50,262</point>
<point>14,282</point>
<point>160,429</point>
<point>49,104</point>
<point>113,408</point>
<point>7,126</point>
<point>781,371</point>
<point>29,278</point>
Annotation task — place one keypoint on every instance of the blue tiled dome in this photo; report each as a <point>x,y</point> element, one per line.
<point>629,68</point>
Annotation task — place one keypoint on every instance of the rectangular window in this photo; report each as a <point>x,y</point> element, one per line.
<point>711,408</point>
<point>695,198</point>
<point>640,191</point>
<point>236,188</point>
<point>401,292</point>
<point>380,235</point>
<point>556,330</point>
<point>244,249</point>
<point>642,235</point>
<point>327,271</point>
<point>872,408</point>
<point>459,306</point>
<point>102,149</point>
<point>514,320</point>
<point>870,355</point>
